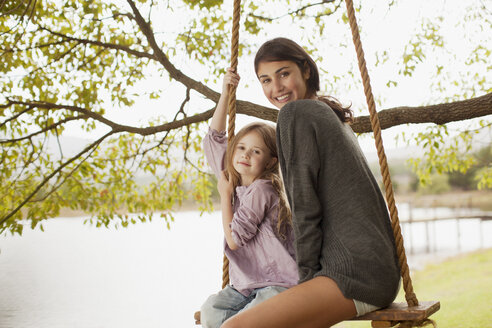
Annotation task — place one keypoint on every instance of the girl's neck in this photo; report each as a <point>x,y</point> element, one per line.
<point>246,182</point>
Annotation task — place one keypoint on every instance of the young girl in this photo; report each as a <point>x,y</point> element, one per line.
<point>255,216</point>
<point>343,239</point>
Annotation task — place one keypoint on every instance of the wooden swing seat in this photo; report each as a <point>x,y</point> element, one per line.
<point>392,315</point>
<point>400,312</point>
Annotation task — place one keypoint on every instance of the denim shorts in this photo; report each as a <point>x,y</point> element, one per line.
<point>363,308</point>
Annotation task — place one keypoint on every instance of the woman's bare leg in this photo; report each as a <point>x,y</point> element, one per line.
<point>314,303</point>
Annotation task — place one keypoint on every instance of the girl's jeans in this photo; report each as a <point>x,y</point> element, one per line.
<point>228,302</point>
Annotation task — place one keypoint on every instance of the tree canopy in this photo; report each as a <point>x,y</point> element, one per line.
<point>86,65</point>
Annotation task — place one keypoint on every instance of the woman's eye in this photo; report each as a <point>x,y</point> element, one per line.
<point>284,74</point>
<point>265,81</point>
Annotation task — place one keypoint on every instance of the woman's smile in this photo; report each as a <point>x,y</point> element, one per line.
<point>283,98</point>
<point>282,82</point>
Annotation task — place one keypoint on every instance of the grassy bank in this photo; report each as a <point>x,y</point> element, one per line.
<point>462,284</point>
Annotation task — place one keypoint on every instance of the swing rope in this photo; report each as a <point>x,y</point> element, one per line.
<point>232,105</point>
<point>418,317</point>
<point>395,222</point>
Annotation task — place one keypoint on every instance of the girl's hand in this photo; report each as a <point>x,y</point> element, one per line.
<point>230,78</point>
<point>219,119</point>
<point>224,186</point>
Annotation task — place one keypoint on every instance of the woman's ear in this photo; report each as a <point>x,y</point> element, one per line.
<point>306,72</point>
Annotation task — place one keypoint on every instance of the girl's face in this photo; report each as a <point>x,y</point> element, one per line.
<point>283,82</point>
<point>251,157</point>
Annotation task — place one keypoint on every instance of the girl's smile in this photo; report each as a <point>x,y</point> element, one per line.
<point>283,82</point>
<point>251,157</point>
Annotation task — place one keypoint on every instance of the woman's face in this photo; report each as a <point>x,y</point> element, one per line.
<point>283,82</point>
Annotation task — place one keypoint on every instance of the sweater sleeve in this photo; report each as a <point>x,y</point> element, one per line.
<point>215,146</point>
<point>251,212</point>
<point>300,163</point>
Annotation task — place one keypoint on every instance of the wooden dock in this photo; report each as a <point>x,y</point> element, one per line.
<point>429,221</point>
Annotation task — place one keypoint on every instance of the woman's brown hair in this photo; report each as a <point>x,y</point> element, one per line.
<point>280,49</point>
<point>267,133</point>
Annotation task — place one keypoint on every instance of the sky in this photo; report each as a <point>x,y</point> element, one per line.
<point>382,30</point>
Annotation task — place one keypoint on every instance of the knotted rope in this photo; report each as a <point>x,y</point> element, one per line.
<point>232,104</point>
<point>395,222</point>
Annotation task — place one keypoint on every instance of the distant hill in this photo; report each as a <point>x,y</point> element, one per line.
<point>69,145</point>
<point>392,153</point>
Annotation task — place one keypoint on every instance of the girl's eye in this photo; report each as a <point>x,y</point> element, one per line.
<point>265,81</point>
<point>284,74</point>
<point>257,151</point>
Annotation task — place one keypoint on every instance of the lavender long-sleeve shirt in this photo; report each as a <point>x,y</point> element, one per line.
<point>262,259</point>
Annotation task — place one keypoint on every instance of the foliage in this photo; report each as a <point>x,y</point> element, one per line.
<point>453,156</point>
<point>480,172</point>
<point>446,150</point>
<point>83,65</point>
<point>438,184</point>
<point>462,178</point>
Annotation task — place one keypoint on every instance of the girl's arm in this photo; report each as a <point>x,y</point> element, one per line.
<point>242,225</point>
<point>225,188</point>
<point>219,119</point>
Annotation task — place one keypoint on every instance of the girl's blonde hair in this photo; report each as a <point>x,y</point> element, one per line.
<point>267,133</point>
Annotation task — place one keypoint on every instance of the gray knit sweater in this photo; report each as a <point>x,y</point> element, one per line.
<point>341,223</point>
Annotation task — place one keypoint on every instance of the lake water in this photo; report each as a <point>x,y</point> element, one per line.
<point>76,275</point>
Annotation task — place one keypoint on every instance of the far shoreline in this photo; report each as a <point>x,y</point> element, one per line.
<point>481,199</point>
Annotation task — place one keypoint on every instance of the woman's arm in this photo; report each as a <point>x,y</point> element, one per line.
<point>300,164</point>
<point>219,119</point>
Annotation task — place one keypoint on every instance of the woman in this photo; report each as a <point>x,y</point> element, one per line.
<point>343,240</point>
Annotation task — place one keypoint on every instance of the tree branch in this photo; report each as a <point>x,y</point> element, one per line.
<point>47,105</point>
<point>158,54</point>
<point>290,13</point>
<point>47,178</point>
<point>438,114</point>
<point>59,183</point>
<point>48,128</point>
<point>13,118</point>
<point>127,49</point>
<point>118,128</point>
<point>162,58</point>
<point>24,167</point>
<point>40,46</point>
<point>21,16</point>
